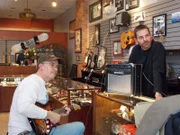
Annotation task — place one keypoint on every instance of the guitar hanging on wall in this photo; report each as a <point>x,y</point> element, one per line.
<point>89,54</point>
<point>101,54</point>
<point>127,39</point>
<point>43,127</point>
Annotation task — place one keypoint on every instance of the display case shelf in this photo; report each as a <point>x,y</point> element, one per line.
<point>111,109</point>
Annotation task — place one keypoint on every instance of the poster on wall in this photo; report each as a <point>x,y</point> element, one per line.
<point>95,11</point>
<point>78,40</point>
<point>139,17</point>
<point>159,25</point>
<point>72,25</point>
<point>131,4</point>
<point>175,17</point>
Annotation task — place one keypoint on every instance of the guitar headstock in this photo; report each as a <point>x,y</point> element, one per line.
<point>76,107</point>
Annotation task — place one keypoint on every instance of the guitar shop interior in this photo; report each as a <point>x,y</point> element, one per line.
<point>94,40</point>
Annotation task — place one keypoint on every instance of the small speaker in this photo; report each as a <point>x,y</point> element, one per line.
<point>122,19</point>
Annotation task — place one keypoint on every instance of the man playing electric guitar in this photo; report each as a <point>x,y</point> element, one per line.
<point>32,90</point>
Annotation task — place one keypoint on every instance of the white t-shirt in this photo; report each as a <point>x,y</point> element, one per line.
<point>31,90</point>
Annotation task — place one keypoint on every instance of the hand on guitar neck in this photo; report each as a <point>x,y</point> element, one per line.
<point>55,117</point>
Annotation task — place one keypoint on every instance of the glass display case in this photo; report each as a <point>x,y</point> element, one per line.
<point>68,91</point>
<point>111,111</point>
<point>13,80</point>
<point>65,91</point>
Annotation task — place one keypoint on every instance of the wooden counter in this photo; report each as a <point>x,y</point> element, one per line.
<point>17,70</point>
<point>7,91</point>
<point>6,94</point>
<point>104,116</point>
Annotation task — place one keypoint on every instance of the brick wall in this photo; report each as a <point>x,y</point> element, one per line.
<point>82,22</point>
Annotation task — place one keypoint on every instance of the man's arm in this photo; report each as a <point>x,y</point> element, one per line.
<point>159,69</point>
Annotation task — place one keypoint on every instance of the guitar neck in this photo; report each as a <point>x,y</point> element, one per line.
<point>62,110</point>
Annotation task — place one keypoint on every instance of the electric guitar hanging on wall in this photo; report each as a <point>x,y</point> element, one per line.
<point>43,127</point>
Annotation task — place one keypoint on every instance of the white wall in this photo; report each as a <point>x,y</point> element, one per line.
<point>61,24</point>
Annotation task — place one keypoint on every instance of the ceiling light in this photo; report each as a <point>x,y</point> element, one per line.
<point>27,14</point>
<point>54,3</point>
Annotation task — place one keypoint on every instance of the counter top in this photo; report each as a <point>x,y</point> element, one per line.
<point>125,99</point>
<point>71,85</point>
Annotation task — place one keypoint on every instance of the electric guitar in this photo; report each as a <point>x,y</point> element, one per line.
<point>44,126</point>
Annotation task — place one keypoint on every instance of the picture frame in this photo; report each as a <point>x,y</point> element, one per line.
<point>97,34</point>
<point>77,58</point>
<point>95,11</point>
<point>107,2</point>
<point>117,49</point>
<point>113,28</point>
<point>119,4</point>
<point>159,25</point>
<point>72,25</point>
<point>78,40</point>
<point>131,4</point>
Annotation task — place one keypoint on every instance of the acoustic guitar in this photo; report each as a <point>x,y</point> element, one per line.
<point>89,54</point>
<point>127,39</point>
<point>44,126</point>
<point>88,58</point>
<point>101,54</point>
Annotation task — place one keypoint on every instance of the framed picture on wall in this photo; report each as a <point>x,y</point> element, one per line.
<point>113,28</point>
<point>107,2</point>
<point>117,50</point>
<point>95,11</point>
<point>72,25</point>
<point>97,34</point>
<point>159,25</point>
<point>119,4</point>
<point>78,40</point>
<point>131,4</point>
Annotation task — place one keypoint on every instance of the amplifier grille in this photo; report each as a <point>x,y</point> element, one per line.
<point>119,84</point>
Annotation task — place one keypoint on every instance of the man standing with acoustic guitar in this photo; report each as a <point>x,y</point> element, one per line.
<point>151,54</point>
<point>32,90</point>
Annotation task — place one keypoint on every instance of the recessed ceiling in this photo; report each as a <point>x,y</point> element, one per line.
<point>42,8</point>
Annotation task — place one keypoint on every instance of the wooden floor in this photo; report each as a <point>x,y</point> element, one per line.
<point>4,117</point>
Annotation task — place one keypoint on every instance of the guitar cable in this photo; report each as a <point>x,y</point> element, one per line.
<point>86,122</point>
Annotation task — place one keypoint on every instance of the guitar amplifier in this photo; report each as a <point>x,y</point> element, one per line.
<point>124,79</point>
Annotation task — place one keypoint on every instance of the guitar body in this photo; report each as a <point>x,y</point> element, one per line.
<point>93,60</point>
<point>127,39</point>
<point>101,58</point>
<point>88,58</point>
<point>40,126</point>
<point>44,126</point>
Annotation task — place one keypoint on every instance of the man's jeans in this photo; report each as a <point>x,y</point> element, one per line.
<point>73,128</point>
